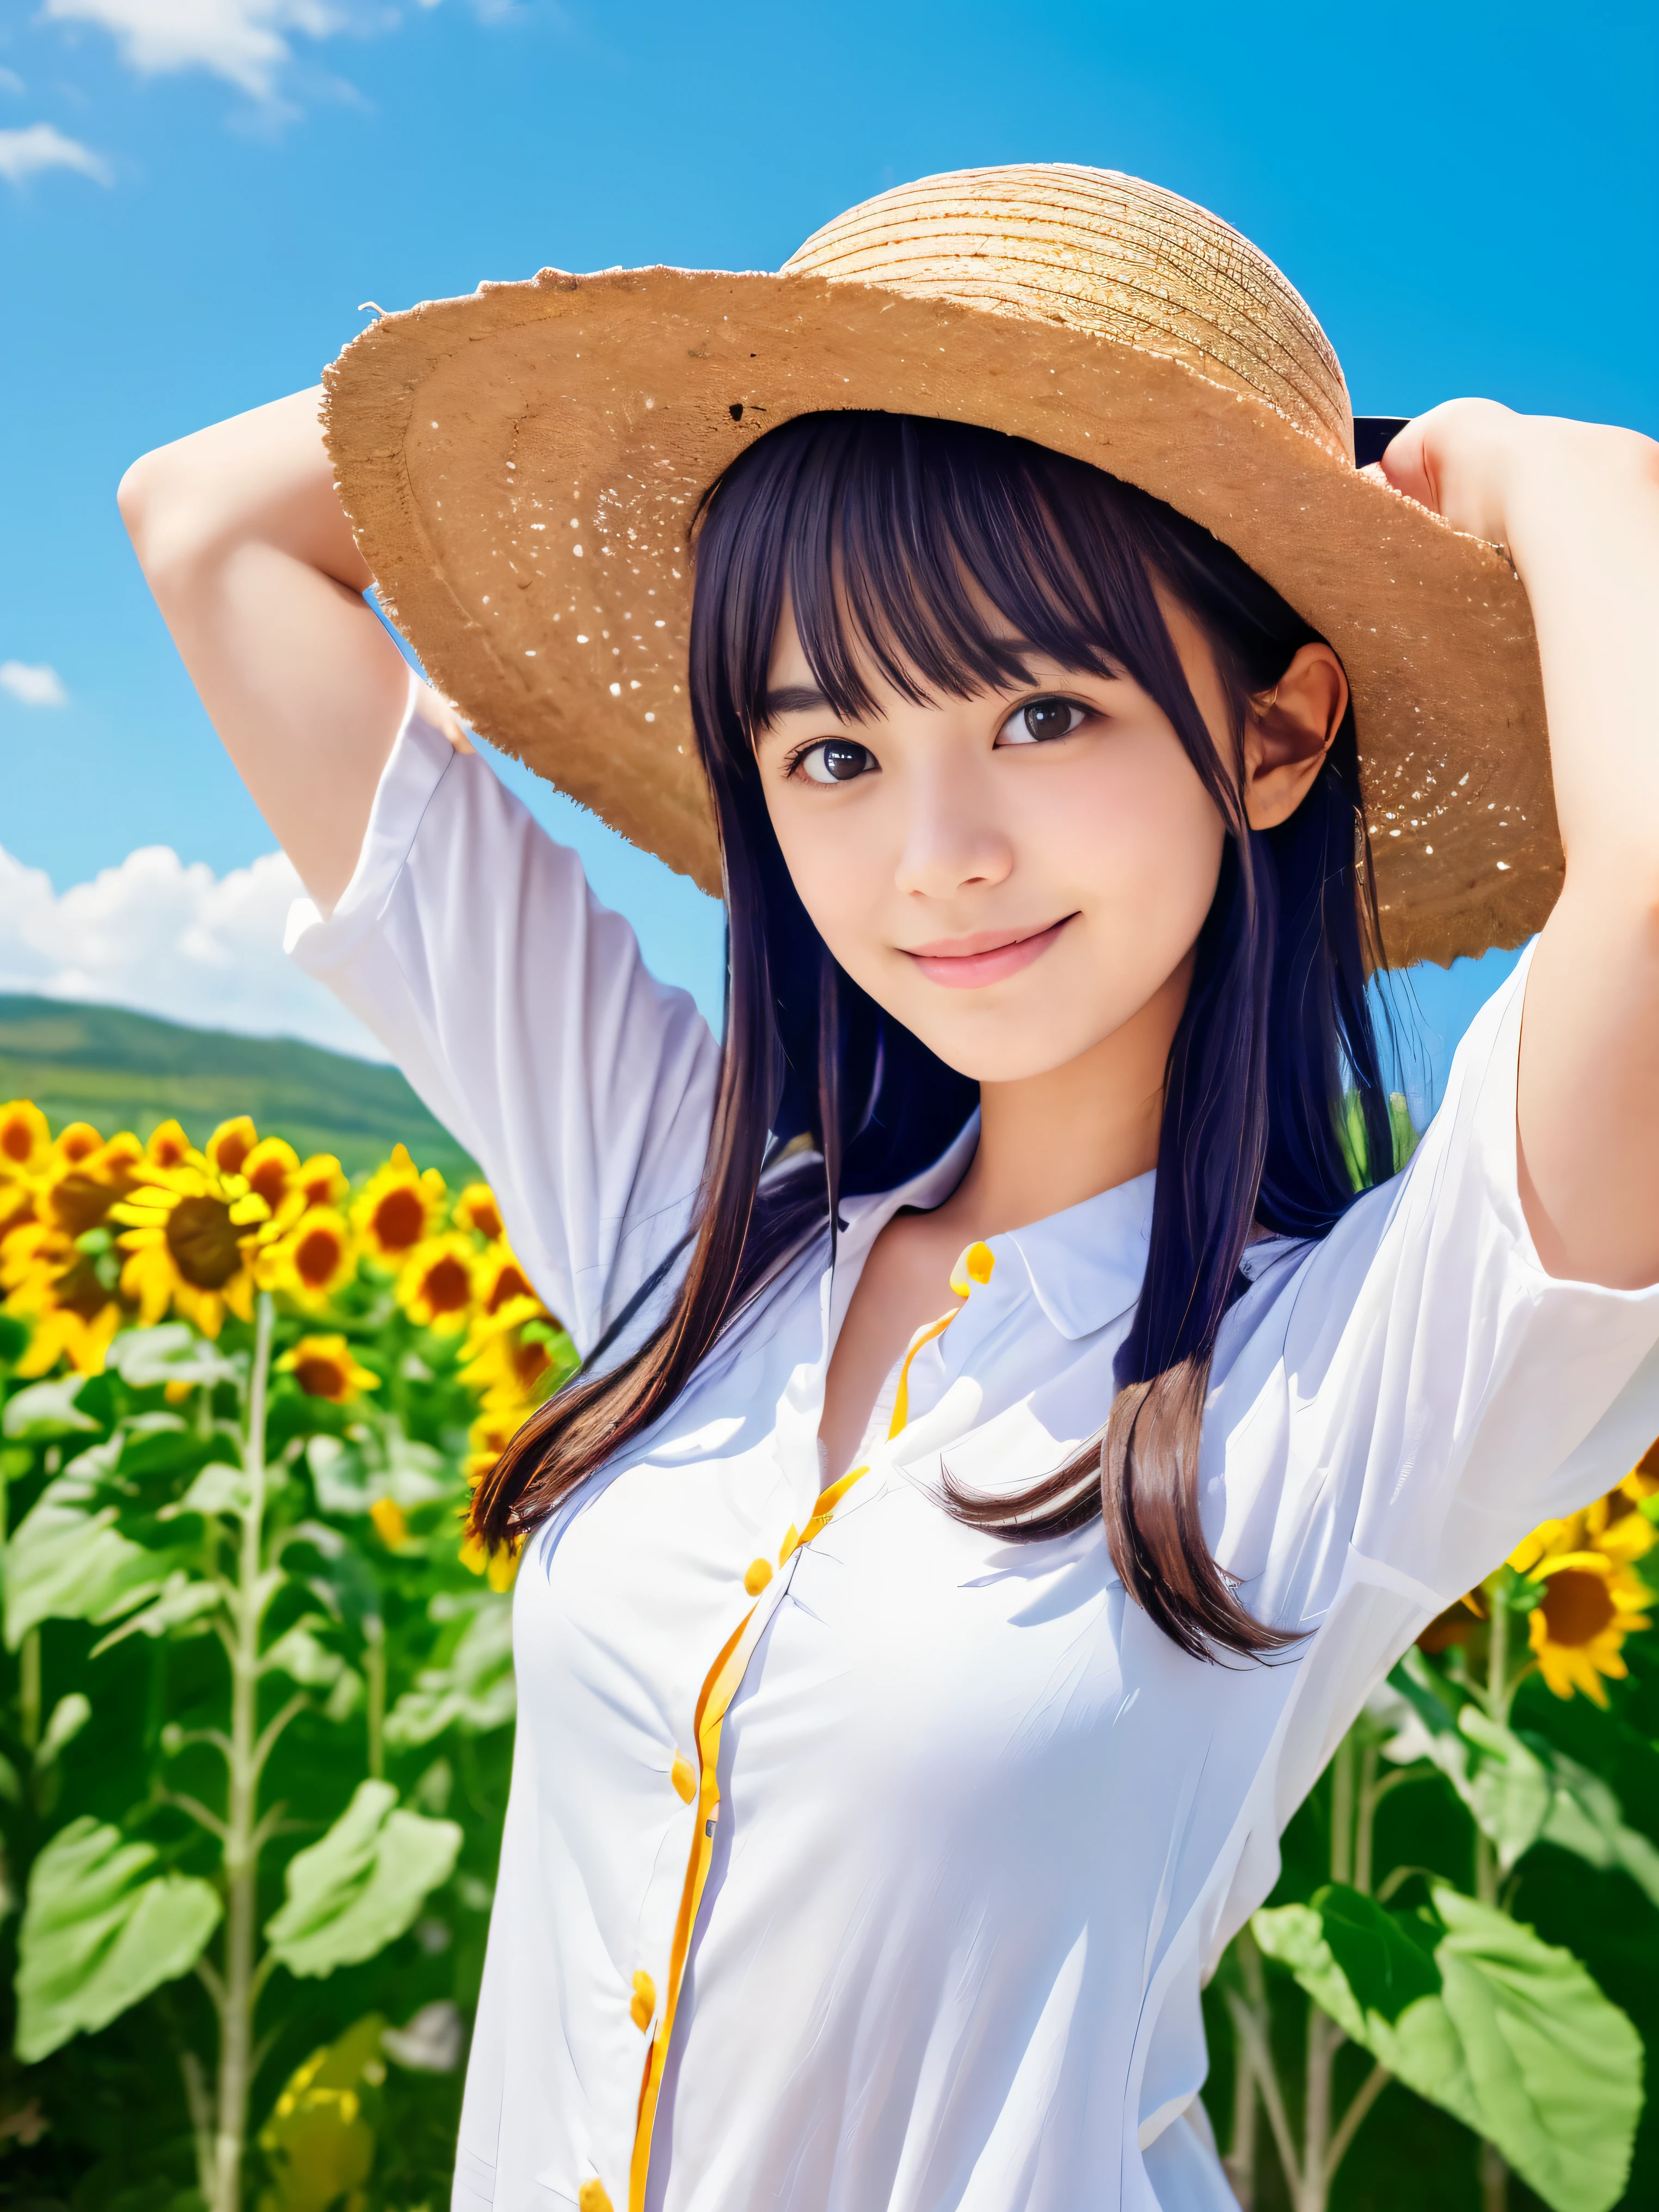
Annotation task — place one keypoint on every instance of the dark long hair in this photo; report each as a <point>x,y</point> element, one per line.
<point>892,536</point>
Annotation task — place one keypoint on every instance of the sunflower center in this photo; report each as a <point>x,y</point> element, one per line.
<point>81,1202</point>
<point>509,1284</point>
<point>202,1243</point>
<point>317,1257</point>
<point>399,1219</point>
<point>1577,1606</point>
<point>446,1287</point>
<point>78,1290</point>
<point>531,1357</point>
<point>321,1378</point>
<point>15,1140</point>
<point>270,1180</point>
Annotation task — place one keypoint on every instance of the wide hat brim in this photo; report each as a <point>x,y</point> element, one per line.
<point>521,468</point>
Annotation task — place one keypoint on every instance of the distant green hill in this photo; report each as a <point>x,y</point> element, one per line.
<point>125,1071</point>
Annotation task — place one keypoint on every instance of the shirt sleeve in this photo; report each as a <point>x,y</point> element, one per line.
<point>1439,1393</point>
<point>522,1014</point>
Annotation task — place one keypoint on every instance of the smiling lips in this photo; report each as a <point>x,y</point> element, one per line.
<point>961,963</point>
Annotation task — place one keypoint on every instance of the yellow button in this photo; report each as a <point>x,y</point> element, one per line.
<point>681,1775</point>
<point>592,2198</point>
<point>644,2002</point>
<point>975,1266</point>
<point>759,1574</point>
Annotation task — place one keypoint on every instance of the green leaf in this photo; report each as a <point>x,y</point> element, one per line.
<point>69,1562</point>
<point>1506,1786</point>
<point>99,1932</point>
<point>173,1352</point>
<point>182,1602</point>
<point>302,1658</point>
<point>1585,1817</point>
<point>361,1887</point>
<point>217,1489</point>
<point>1506,2032</point>
<point>44,1410</point>
<point>474,1692</point>
<point>69,1716</point>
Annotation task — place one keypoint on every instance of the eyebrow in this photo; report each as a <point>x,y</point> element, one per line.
<point>793,699</point>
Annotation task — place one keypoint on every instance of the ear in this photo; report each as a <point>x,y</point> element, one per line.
<point>1288,732</point>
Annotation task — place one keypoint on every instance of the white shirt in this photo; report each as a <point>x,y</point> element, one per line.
<point>949,1875</point>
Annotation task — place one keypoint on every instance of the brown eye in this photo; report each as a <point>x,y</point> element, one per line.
<point>1039,720</point>
<point>837,760</point>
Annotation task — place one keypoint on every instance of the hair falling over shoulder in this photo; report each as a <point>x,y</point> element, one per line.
<point>892,537</point>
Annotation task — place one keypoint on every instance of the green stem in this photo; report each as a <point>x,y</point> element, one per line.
<point>374,1670</point>
<point>1372,1794</point>
<point>28,1690</point>
<point>1499,1688</point>
<point>241,1850</point>
<point>1494,2179</point>
<point>1342,1823</point>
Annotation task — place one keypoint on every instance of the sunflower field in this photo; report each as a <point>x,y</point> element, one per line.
<point>256,1720</point>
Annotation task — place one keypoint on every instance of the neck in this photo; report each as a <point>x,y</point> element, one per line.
<point>1049,1141</point>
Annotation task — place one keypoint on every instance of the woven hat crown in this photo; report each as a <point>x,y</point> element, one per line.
<point>524,469</point>
<point>1104,254</point>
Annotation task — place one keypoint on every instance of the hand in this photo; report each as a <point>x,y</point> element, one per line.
<point>1456,459</point>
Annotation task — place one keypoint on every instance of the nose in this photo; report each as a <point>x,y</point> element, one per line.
<point>952,840</point>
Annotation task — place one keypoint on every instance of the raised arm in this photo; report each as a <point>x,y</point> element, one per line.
<point>251,561</point>
<point>1577,506</point>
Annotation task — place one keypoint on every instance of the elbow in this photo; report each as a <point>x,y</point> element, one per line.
<point>144,495</point>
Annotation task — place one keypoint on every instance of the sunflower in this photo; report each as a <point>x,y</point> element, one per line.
<point>435,1286</point>
<point>500,1565</point>
<point>76,1141</point>
<point>476,1208</point>
<point>488,1437</point>
<point>66,1294</point>
<point>231,1143</point>
<point>390,1525</point>
<point>169,1147</point>
<point>272,1167</point>
<point>1592,1597</point>
<point>323,1367</point>
<point>508,1359</point>
<point>398,1207</point>
<point>1590,1604</point>
<point>497,1278</point>
<point>77,1195</point>
<point>25,1142</point>
<point>321,1180</point>
<point>312,1260</point>
<point>191,1235</point>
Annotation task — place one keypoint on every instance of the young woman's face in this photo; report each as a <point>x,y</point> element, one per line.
<point>1013,876</point>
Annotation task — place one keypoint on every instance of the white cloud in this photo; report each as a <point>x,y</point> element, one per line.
<point>168,939</point>
<point>32,683</point>
<point>243,41</point>
<point>43,146</point>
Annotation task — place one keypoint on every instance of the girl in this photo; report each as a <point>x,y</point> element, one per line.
<point>1023,1413</point>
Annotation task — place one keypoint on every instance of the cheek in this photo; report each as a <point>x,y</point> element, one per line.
<point>842,871</point>
<point>1132,836</point>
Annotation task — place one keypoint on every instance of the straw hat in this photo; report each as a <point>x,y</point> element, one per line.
<point>521,468</point>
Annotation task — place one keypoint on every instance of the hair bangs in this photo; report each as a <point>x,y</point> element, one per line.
<point>933,560</point>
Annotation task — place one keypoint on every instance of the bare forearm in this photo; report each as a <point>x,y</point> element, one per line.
<point>1578,506</point>
<point>243,541</point>
<point>1581,518</point>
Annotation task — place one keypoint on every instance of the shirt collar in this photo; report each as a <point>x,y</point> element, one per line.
<point>1086,1265</point>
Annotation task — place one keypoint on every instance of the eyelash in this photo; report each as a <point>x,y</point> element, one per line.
<point>802,753</point>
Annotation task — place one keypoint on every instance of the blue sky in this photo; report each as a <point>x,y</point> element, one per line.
<point>195,194</point>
